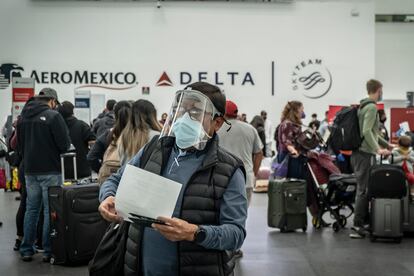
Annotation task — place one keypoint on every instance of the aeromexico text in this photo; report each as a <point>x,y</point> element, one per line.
<point>84,77</point>
<point>129,78</point>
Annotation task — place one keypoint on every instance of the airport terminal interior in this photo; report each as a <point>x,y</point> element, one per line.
<point>214,137</point>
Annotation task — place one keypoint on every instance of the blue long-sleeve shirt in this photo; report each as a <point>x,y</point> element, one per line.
<point>159,254</point>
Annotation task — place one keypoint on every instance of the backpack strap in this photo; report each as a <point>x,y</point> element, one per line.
<point>365,104</point>
<point>147,150</point>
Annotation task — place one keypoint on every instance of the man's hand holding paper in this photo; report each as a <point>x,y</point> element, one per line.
<point>145,194</point>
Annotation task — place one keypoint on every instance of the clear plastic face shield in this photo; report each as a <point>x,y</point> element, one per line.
<point>190,119</point>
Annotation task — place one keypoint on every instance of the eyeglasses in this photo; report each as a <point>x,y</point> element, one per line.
<point>195,113</point>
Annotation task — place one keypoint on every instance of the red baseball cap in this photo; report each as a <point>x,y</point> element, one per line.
<point>231,109</point>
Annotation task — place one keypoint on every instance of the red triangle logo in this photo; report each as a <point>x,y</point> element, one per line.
<point>164,80</point>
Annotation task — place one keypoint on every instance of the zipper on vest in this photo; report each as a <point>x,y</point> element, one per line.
<point>181,210</point>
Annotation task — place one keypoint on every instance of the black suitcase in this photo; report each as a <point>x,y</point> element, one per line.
<point>386,189</point>
<point>287,204</point>
<point>76,227</point>
<point>387,181</point>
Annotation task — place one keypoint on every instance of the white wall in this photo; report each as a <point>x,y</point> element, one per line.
<point>194,36</point>
<point>394,6</point>
<point>394,58</point>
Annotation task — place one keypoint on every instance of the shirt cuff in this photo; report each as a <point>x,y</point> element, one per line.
<point>106,195</point>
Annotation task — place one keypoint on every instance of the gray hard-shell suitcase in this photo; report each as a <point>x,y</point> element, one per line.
<point>287,204</point>
<point>387,218</point>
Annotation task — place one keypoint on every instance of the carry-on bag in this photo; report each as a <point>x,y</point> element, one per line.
<point>287,204</point>
<point>386,189</point>
<point>386,219</point>
<point>76,227</point>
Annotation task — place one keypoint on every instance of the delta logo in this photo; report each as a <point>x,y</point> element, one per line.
<point>232,78</point>
<point>164,80</point>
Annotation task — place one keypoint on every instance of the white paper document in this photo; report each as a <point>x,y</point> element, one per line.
<point>145,194</point>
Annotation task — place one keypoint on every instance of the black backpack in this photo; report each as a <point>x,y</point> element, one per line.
<point>345,133</point>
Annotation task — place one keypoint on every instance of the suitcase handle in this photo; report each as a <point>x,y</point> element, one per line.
<point>62,163</point>
<point>382,157</point>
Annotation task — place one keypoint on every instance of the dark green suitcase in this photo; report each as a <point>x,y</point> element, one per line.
<point>287,204</point>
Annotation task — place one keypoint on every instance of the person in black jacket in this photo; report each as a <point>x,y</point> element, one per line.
<point>258,123</point>
<point>82,137</point>
<point>42,137</point>
<point>106,119</point>
<point>122,112</point>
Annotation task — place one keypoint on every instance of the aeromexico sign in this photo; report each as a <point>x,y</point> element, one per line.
<point>88,79</point>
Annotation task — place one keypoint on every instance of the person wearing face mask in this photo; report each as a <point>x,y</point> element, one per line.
<point>383,130</point>
<point>287,132</point>
<point>42,136</point>
<point>208,223</point>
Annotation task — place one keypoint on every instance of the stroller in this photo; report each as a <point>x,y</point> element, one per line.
<point>334,191</point>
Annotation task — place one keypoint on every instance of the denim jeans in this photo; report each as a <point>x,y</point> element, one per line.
<point>37,194</point>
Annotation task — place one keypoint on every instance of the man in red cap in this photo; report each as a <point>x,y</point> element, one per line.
<point>242,140</point>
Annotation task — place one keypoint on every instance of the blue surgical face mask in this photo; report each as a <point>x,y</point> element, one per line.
<point>303,116</point>
<point>189,132</point>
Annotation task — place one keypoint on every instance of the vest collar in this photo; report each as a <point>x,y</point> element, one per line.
<point>211,149</point>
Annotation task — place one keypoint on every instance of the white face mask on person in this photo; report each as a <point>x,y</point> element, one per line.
<point>189,133</point>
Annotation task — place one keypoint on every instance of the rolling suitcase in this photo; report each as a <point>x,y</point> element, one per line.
<point>287,204</point>
<point>76,227</point>
<point>386,219</point>
<point>386,190</point>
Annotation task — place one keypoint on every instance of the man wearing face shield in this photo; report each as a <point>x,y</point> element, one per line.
<point>208,222</point>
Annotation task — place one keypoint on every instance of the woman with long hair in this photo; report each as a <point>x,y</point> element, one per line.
<point>141,127</point>
<point>122,111</point>
<point>288,131</point>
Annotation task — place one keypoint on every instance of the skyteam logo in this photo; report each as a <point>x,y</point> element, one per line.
<point>7,72</point>
<point>312,78</point>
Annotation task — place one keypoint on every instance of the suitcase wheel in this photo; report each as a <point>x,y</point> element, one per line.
<point>283,229</point>
<point>336,227</point>
<point>304,229</point>
<point>373,238</point>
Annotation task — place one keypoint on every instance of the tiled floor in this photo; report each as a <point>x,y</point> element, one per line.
<point>266,251</point>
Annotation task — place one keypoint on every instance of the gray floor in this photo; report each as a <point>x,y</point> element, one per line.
<point>266,251</point>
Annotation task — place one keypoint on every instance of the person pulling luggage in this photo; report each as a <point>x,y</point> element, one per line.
<point>364,157</point>
<point>287,133</point>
